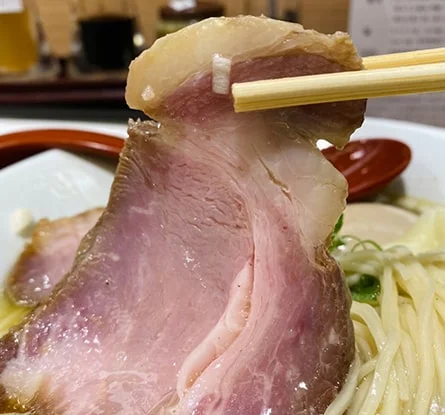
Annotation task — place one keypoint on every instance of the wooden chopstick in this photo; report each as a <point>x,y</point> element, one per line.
<point>398,74</point>
<point>395,60</point>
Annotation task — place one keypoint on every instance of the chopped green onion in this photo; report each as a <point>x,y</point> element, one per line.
<point>338,225</point>
<point>364,242</point>
<point>366,290</point>
<point>337,240</point>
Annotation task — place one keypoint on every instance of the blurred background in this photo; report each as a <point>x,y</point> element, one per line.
<point>68,59</point>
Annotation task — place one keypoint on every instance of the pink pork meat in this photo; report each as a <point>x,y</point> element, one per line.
<point>48,257</point>
<point>206,287</point>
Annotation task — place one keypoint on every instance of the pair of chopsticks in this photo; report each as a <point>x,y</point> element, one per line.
<point>385,75</point>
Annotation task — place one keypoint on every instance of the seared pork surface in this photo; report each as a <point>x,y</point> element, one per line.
<point>205,288</point>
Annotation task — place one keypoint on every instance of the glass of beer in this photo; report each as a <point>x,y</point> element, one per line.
<point>18,43</point>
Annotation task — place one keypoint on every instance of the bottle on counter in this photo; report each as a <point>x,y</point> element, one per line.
<point>181,13</point>
<point>18,38</point>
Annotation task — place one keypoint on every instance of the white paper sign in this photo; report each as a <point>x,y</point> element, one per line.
<point>11,6</point>
<point>389,26</point>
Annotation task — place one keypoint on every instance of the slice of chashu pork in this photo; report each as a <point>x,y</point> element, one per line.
<point>47,257</point>
<point>205,287</point>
